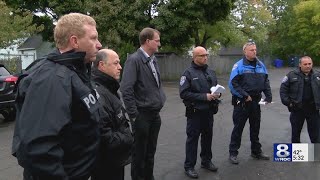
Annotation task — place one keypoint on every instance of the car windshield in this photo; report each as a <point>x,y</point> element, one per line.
<point>4,72</point>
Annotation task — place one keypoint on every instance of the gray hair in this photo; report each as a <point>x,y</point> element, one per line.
<point>101,56</point>
<point>304,57</point>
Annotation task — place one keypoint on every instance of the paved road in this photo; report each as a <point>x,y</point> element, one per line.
<point>275,128</point>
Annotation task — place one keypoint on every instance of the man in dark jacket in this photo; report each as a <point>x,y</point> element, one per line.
<point>300,92</point>
<point>201,104</point>
<point>248,79</point>
<point>116,137</point>
<point>56,135</point>
<point>144,97</point>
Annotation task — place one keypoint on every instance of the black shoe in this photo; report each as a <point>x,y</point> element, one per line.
<point>210,166</point>
<point>233,159</point>
<point>191,173</point>
<point>260,156</point>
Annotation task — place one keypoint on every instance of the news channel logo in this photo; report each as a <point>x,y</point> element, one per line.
<point>282,152</point>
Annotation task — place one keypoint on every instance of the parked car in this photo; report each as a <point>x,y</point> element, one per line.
<point>7,94</point>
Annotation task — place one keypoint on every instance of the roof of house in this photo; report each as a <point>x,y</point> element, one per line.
<point>32,42</point>
<point>230,51</point>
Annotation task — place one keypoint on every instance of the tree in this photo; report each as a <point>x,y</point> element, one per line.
<point>305,28</point>
<point>254,19</point>
<point>297,30</point>
<point>184,23</point>
<point>13,26</point>
<point>48,12</point>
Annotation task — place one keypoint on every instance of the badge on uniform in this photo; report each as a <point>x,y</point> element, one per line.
<point>182,80</point>
<point>285,79</point>
<point>234,66</point>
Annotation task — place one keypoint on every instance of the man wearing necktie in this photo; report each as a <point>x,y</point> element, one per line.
<point>143,97</point>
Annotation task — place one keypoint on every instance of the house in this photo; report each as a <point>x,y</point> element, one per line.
<point>33,48</point>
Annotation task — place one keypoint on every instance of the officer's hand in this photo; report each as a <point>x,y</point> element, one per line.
<point>210,97</point>
<point>216,95</point>
<point>248,99</point>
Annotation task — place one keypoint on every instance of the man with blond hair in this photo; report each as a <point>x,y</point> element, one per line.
<point>248,79</point>
<point>56,134</point>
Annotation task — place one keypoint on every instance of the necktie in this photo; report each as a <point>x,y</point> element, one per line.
<point>154,71</point>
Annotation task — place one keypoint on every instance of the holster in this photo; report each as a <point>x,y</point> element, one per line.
<point>214,105</point>
<point>236,101</point>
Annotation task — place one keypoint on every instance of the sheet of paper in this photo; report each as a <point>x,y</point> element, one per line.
<point>262,102</point>
<point>217,89</point>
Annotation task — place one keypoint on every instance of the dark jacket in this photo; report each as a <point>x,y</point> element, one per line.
<point>56,134</point>
<point>291,89</point>
<point>139,88</point>
<point>250,80</point>
<point>116,137</point>
<point>195,83</point>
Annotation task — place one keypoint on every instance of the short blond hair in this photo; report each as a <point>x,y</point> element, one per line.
<point>71,24</point>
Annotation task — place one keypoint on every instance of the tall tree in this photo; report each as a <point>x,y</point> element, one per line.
<point>185,22</point>
<point>305,28</point>
<point>48,11</point>
<point>14,26</point>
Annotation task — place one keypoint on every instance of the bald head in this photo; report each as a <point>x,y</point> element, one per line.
<point>200,56</point>
<point>108,62</point>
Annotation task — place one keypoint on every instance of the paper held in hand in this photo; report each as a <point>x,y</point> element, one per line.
<point>217,89</point>
<point>262,102</point>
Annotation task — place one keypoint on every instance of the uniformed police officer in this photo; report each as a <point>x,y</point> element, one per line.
<point>249,77</point>
<point>195,85</point>
<point>299,91</point>
<point>56,135</point>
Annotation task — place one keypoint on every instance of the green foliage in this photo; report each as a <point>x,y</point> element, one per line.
<point>297,31</point>
<point>12,64</point>
<point>50,11</point>
<point>185,23</point>
<point>14,26</point>
<point>254,19</point>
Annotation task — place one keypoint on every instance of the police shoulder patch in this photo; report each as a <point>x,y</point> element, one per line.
<point>285,79</point>
<point>234,66</point>
<point>182,80</point>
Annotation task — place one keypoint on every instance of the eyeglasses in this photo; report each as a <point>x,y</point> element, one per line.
<point>248,44</point>
<point>203,55</point>
<point>156,40</point>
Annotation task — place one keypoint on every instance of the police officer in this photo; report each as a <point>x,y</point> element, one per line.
<point>116,137</point>
<point>299,91</point>
<point>195,84</point>
<point>249,77</point>
<point>56,135</point>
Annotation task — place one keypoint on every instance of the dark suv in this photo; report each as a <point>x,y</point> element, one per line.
<point>7,94</point>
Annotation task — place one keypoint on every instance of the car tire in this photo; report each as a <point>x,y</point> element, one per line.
<point>9,114</point>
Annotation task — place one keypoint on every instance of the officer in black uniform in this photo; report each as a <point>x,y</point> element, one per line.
<point>116,137</point>
<point>195,85</point>
<point>56,135</point>
<point>299,91</point>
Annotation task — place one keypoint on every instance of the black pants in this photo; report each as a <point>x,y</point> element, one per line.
<point>297,119</point>
<point>241,113</point>
<point>29,176</point>
<point>199,122</point>
<point>108,172</point>
<point>147,127</point>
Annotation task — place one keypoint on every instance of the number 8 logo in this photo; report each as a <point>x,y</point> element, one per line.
<point>282,150</point>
